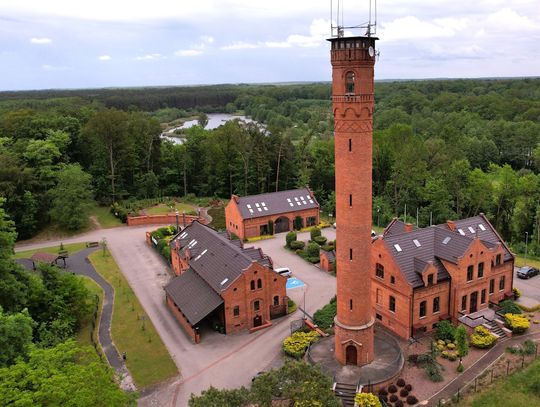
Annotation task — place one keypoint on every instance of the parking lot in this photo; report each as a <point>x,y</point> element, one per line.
<point>530,290</point>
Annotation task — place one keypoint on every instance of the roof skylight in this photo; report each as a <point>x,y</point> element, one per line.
<point>461,232</point>
<point>471,229</point>
<point>481,226</point>
<point>416,243</point>
<point>398,247</point>
<point>224,281</point>
<point>446,240</point>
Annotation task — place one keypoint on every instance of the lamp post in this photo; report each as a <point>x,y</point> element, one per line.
<point>526,244</point>
<point>177,229</point>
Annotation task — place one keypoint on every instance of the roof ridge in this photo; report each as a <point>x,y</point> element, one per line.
<point>275,192</point>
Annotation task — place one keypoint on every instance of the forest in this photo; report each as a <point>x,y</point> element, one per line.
<point>443,149</point>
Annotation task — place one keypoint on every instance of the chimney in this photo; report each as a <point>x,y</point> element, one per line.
<point>408,227</point>
<point>451,225</point>
<point>236,198</point>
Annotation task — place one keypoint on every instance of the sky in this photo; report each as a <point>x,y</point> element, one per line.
<point>114,43</point>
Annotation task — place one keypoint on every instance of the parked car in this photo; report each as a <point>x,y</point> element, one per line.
<point>527,272</point>
<point>284,271</point>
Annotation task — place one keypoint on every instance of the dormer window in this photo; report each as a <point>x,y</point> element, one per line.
<point>349,82</point>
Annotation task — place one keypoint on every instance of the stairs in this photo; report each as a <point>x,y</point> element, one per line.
<point>346,393</point>
<point>496,329</point>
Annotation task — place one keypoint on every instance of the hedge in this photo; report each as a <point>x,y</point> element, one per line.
<point>290,237</point>
<point>324,317</point>
<point>518,323</point>
<point>482,338</point>
<point>509,307</point>
<point>315,232</point>
<point>296,344</point>
<point>313,250</point>
<point>297,244</point>
<point>320,240</point>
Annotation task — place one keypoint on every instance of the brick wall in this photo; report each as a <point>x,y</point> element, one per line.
<point>326,265</point>
<point>166,219</point>
<point>192,333</point>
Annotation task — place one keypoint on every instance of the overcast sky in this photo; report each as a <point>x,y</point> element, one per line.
<point>78,44</point>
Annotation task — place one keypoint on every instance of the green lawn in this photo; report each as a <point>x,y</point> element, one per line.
<point>521,261</point>
<point>104,216</point>
<point>218,218</point>
<point>72,248</point>
<point>163,209</point>
<point>86,332</point>
<point>148,360</point>
<point>519,390</point>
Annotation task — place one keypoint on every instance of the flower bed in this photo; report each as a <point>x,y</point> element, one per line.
<point>481,338</point>
<point>296,344</point>
<point>517,323</point>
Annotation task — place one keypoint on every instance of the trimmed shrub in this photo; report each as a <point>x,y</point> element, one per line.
<point>460,368</point>
<point>320,240</point>
<point>517,292</point>
<point>408,387</point>
<point>296,344</point>
<point>393,398</point>
<point>298,222</point>
<point>412,400</point>
<point>517,323</point>
<point>398,403</point>
<point>297,244</point>
<point>445,330</point>
<point>291,306</point>
<point>315,232</point>
<point>383,392</point>
<point>327,248</point>
<point>509,307</point>
<point>324,317</point>
<point>482,338</point>
<point>384,398</point>
<point>366,400</point>
<point>403,393</point>
<point>461,341</point>
<point>400,382</point>
<point>290,237</point>
<point>392,388</point>
<point>313,250</point>
<point>313,260</point>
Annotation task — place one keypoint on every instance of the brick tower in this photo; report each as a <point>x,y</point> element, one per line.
<point>353,60</point>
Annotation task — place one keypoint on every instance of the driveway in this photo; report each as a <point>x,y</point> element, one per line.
<point>530,290</point>
<point>224,361</point>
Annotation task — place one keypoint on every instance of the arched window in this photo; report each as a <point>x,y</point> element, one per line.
<point>259,283</point>
<point>349,82</point>
<point>276,300</point>
<point>256,305</point>
<point>252,284</point>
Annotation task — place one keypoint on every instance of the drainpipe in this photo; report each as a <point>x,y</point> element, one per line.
<point>411,319</point>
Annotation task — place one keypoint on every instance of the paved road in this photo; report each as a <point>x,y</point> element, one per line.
<point>224,361</point>
<point>530,290</point>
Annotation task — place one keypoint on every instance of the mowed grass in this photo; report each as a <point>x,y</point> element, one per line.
<point>148,360</point>
<point>518,390</point>
<point>104,216</point>
<point>163,209</point>
<point>86,332</point>
<point>218,217</point>
<point>72,248</point>
<point>522,261</point>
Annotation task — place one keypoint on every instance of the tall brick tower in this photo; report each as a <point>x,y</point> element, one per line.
<point>353,60</point>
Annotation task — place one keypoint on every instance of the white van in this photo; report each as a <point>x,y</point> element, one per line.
<point>284,271</point>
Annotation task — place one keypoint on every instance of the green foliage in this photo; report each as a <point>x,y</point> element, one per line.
<point>297,244</point>
<point>432,368</point>
<point>298,222</point>
<point>270,227</point>
<point>320,240</point>
<point>366,400</point>
<point>313,250</point>
<point>64,375</point>
<point>314,232</point>
<point>462,344</point>
<point>517,292</point>
<point>15,336</point>
<point>445,331</point>
<point>213,397</point>
<point>296,344</point>
<point>291,306</point>
<point>71,198</point>
<point>7,233</point>
<point>509,307</point>
<point>290,237</point>
<point>482,338</point>
<point>324,317</point>
<point>517,323</point>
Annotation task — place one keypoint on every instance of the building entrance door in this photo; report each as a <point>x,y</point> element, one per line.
<point>351,355</point>
<point>281,224</point>
<point>257,321</point>
<point>474,302</point>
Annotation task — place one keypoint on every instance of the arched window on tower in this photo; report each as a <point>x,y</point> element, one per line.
<point>349,82</point>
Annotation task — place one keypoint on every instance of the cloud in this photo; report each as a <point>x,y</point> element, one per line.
<point>188,52</point>
<point>509,20</point>
<point>411,27</point>
<point>40,41</point>
<point>149,57</point>
<point>240,45</point>
<point>207,39</point>
<point>48,67</point>
<point>104,57</point>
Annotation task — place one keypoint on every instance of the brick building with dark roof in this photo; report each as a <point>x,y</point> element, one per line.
<point>256,215</point>
<point>220,282</point>
<point>423,276</point>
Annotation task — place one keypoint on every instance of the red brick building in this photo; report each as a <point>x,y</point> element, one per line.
<point>221,282</point>
<point>353,61</point>
<point>443,272</point>
<point>327,259</point>
<point>256,215</point>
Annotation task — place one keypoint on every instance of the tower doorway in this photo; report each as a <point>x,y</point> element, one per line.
<point>257,321</point>
<point>351,357</point>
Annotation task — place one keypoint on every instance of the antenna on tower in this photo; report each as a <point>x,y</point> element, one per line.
<point>337,30</point>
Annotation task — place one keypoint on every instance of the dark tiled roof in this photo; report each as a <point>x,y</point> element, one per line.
<point>193,296</point>
<point>276,202</point>
<point>431,244</point>
<point>330,254</point>
<point>395,227</point>
<point>489,236</point>
<point>216,259</point>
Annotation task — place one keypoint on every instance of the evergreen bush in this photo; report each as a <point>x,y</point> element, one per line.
<point>290,237</point>
<point>518,323</point>
<point>313,250</point>
<point>445,330</point>
<point>296,344</point>
<point>314,232</point>
<point>320,240</point>
<point>297,244</point>
<point>482,338</point>
<point>510,307</point>
<point>366,400</point>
